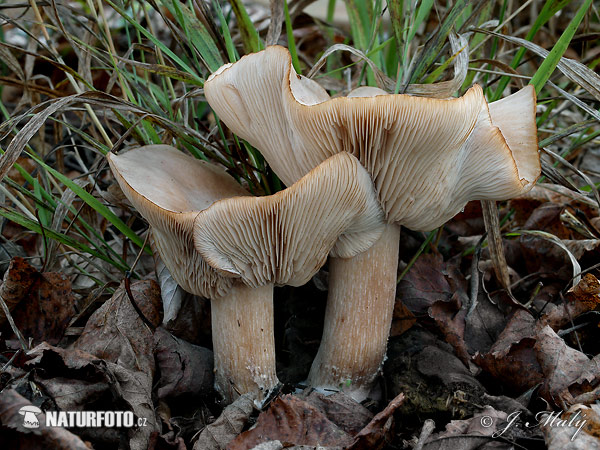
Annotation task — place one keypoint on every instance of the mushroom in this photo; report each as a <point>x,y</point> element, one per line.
<point>245,245</point>
<point>30,413</point>
<point>427,158</point>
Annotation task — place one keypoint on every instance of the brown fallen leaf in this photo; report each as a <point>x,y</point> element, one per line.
<point>229,424</point>
<point>564,368</point>
<point>549,193</point>
<point>116,333</point>
<point>292,420</point>
<point>16,437</point>
<point>185,369</point>
<point>18,279</point>
<point>450,318</point>
<point>583,297</point>
<point>424,284</point>
<point>126,389</point>
<point>403,319</point>
<point>48,304</point>
<point>375,435</point>
<point>342,410</point>
<point>512,358</point>
<point>546,217</point>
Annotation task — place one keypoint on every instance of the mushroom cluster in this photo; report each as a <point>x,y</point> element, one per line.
<point>219,242</point>
<point>427,158</point>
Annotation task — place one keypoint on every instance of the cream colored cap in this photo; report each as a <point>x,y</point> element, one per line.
<point>427,157</point>
<point>168,188</point>
<point>285,238</point>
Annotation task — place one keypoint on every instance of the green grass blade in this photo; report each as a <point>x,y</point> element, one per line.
<point>435,44</point>
<point>49,233</point>
<point>250,37</point>
<point>166,50</point>
<point>544,72</point>
<point>550,8</point>
<point>290,37</point>
<point>94,203</point>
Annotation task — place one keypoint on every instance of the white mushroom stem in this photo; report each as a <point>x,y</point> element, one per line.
<point>360,305</point>
<point>243,341</point>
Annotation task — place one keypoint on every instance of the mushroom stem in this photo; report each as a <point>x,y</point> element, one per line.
<point>360,305</point>
<point>243,341</point>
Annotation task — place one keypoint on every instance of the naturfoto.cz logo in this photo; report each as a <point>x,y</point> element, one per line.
<point>80,419</point>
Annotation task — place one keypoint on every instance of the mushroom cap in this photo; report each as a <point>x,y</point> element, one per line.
<point>427,157</point>
<point>168,188</point>
<point>285,238</point>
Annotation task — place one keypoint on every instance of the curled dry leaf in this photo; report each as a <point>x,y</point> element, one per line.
<point>50,303</point>
<point>126,389</point>
<point>230,423</point>
<point>116,333</point>
<point>185,369</point>
<point>469,434</point>
<point>290,419</point>
<point>583,297</point>
<point>375,434</point>
<point>18,279</point>
<point>14,436</point>
<point>424,284</point>
<point>564,368</point>
<point>342,410</point>
<point>512,358</point>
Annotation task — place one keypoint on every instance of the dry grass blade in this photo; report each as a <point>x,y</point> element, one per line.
<point>277,18</point>
<point>445,89</point>
<point>17,145</point>
<point>492,226</point>
<point>383,81</point>
<point>573,70</point>
<point>9,59</point>
<point>60,213</point>
<point>554,175</point>
<point>551,238</point>
<point>577,171</point>
<point>576,101</point>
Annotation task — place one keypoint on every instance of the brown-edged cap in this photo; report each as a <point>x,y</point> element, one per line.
<point>427,157</point>
<point>168,188</point>
<point>285,238</point>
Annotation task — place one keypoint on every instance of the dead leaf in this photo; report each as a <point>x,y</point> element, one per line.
<point>576,429</point>
<point>512,358</point>
<point>424,284</point>
<point>476,432</point>
<point>450,318</point>
<point>402,320</point>
<point>342,410</point>
<point>45,301</point>
<point>15,437</point>
<point>376,433</point>
<point>230,423</point>
<point>563,368</point>
<point>126,389</point>
<point>18,279</point>
<point>583,297</point>
<point>292,420</point>
<point>116,333</point>
<point>185,369</point>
